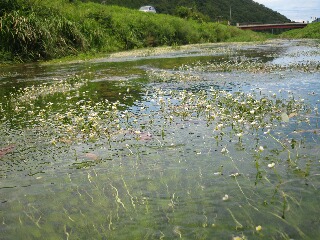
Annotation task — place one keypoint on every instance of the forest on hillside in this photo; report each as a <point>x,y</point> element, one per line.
<point>235,11</point>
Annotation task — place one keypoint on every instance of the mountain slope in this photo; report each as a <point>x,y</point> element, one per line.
<point>241,10</point>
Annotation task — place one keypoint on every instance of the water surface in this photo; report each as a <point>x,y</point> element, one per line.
<point>213,141</point>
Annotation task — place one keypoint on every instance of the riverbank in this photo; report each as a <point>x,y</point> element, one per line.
<point>46,30</point>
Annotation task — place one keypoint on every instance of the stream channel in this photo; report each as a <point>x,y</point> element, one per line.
<point>210,141</point>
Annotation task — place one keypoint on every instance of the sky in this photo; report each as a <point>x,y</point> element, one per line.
<point>295,10</point>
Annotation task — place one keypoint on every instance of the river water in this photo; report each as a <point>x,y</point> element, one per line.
<point>211,141</point>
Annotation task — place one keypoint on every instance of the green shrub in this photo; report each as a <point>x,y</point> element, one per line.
<point>191,13</point>
<point>310,31</point>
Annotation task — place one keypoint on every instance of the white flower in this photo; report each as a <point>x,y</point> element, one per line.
<point>53,141</point>
<point>254,123</point>
<point>224,150</point>
<point>234,174</point>
<point>237,238</point>
<point>225,197</point>
<point>258,228</point>
<point>261,148</point>
<point>271,165</point>
<point>220,125</point>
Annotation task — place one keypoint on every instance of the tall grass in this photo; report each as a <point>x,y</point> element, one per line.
<point>34,30</point>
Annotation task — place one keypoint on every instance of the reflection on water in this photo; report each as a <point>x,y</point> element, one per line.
<point>210,142</point>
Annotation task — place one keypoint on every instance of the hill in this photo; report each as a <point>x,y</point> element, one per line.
<point>241,10</point>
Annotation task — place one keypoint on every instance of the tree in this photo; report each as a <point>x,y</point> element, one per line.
<point>191,13</point>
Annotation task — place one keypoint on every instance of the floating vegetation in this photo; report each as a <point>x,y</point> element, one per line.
<point>29,95</point>
<point>250,66</point>
<point>196,71</point>
<point>220,49</point>
<point>85,120</point>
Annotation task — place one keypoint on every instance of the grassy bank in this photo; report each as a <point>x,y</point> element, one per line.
<point>310,31</point>
<point>32,30</point>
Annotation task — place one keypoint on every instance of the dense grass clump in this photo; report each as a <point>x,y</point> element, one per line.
<point>41,30</point>
<point>310,31</point>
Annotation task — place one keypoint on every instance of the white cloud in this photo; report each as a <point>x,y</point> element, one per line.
<point>295,10</point>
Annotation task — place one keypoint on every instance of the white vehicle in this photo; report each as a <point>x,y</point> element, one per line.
<point>148,9</point>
